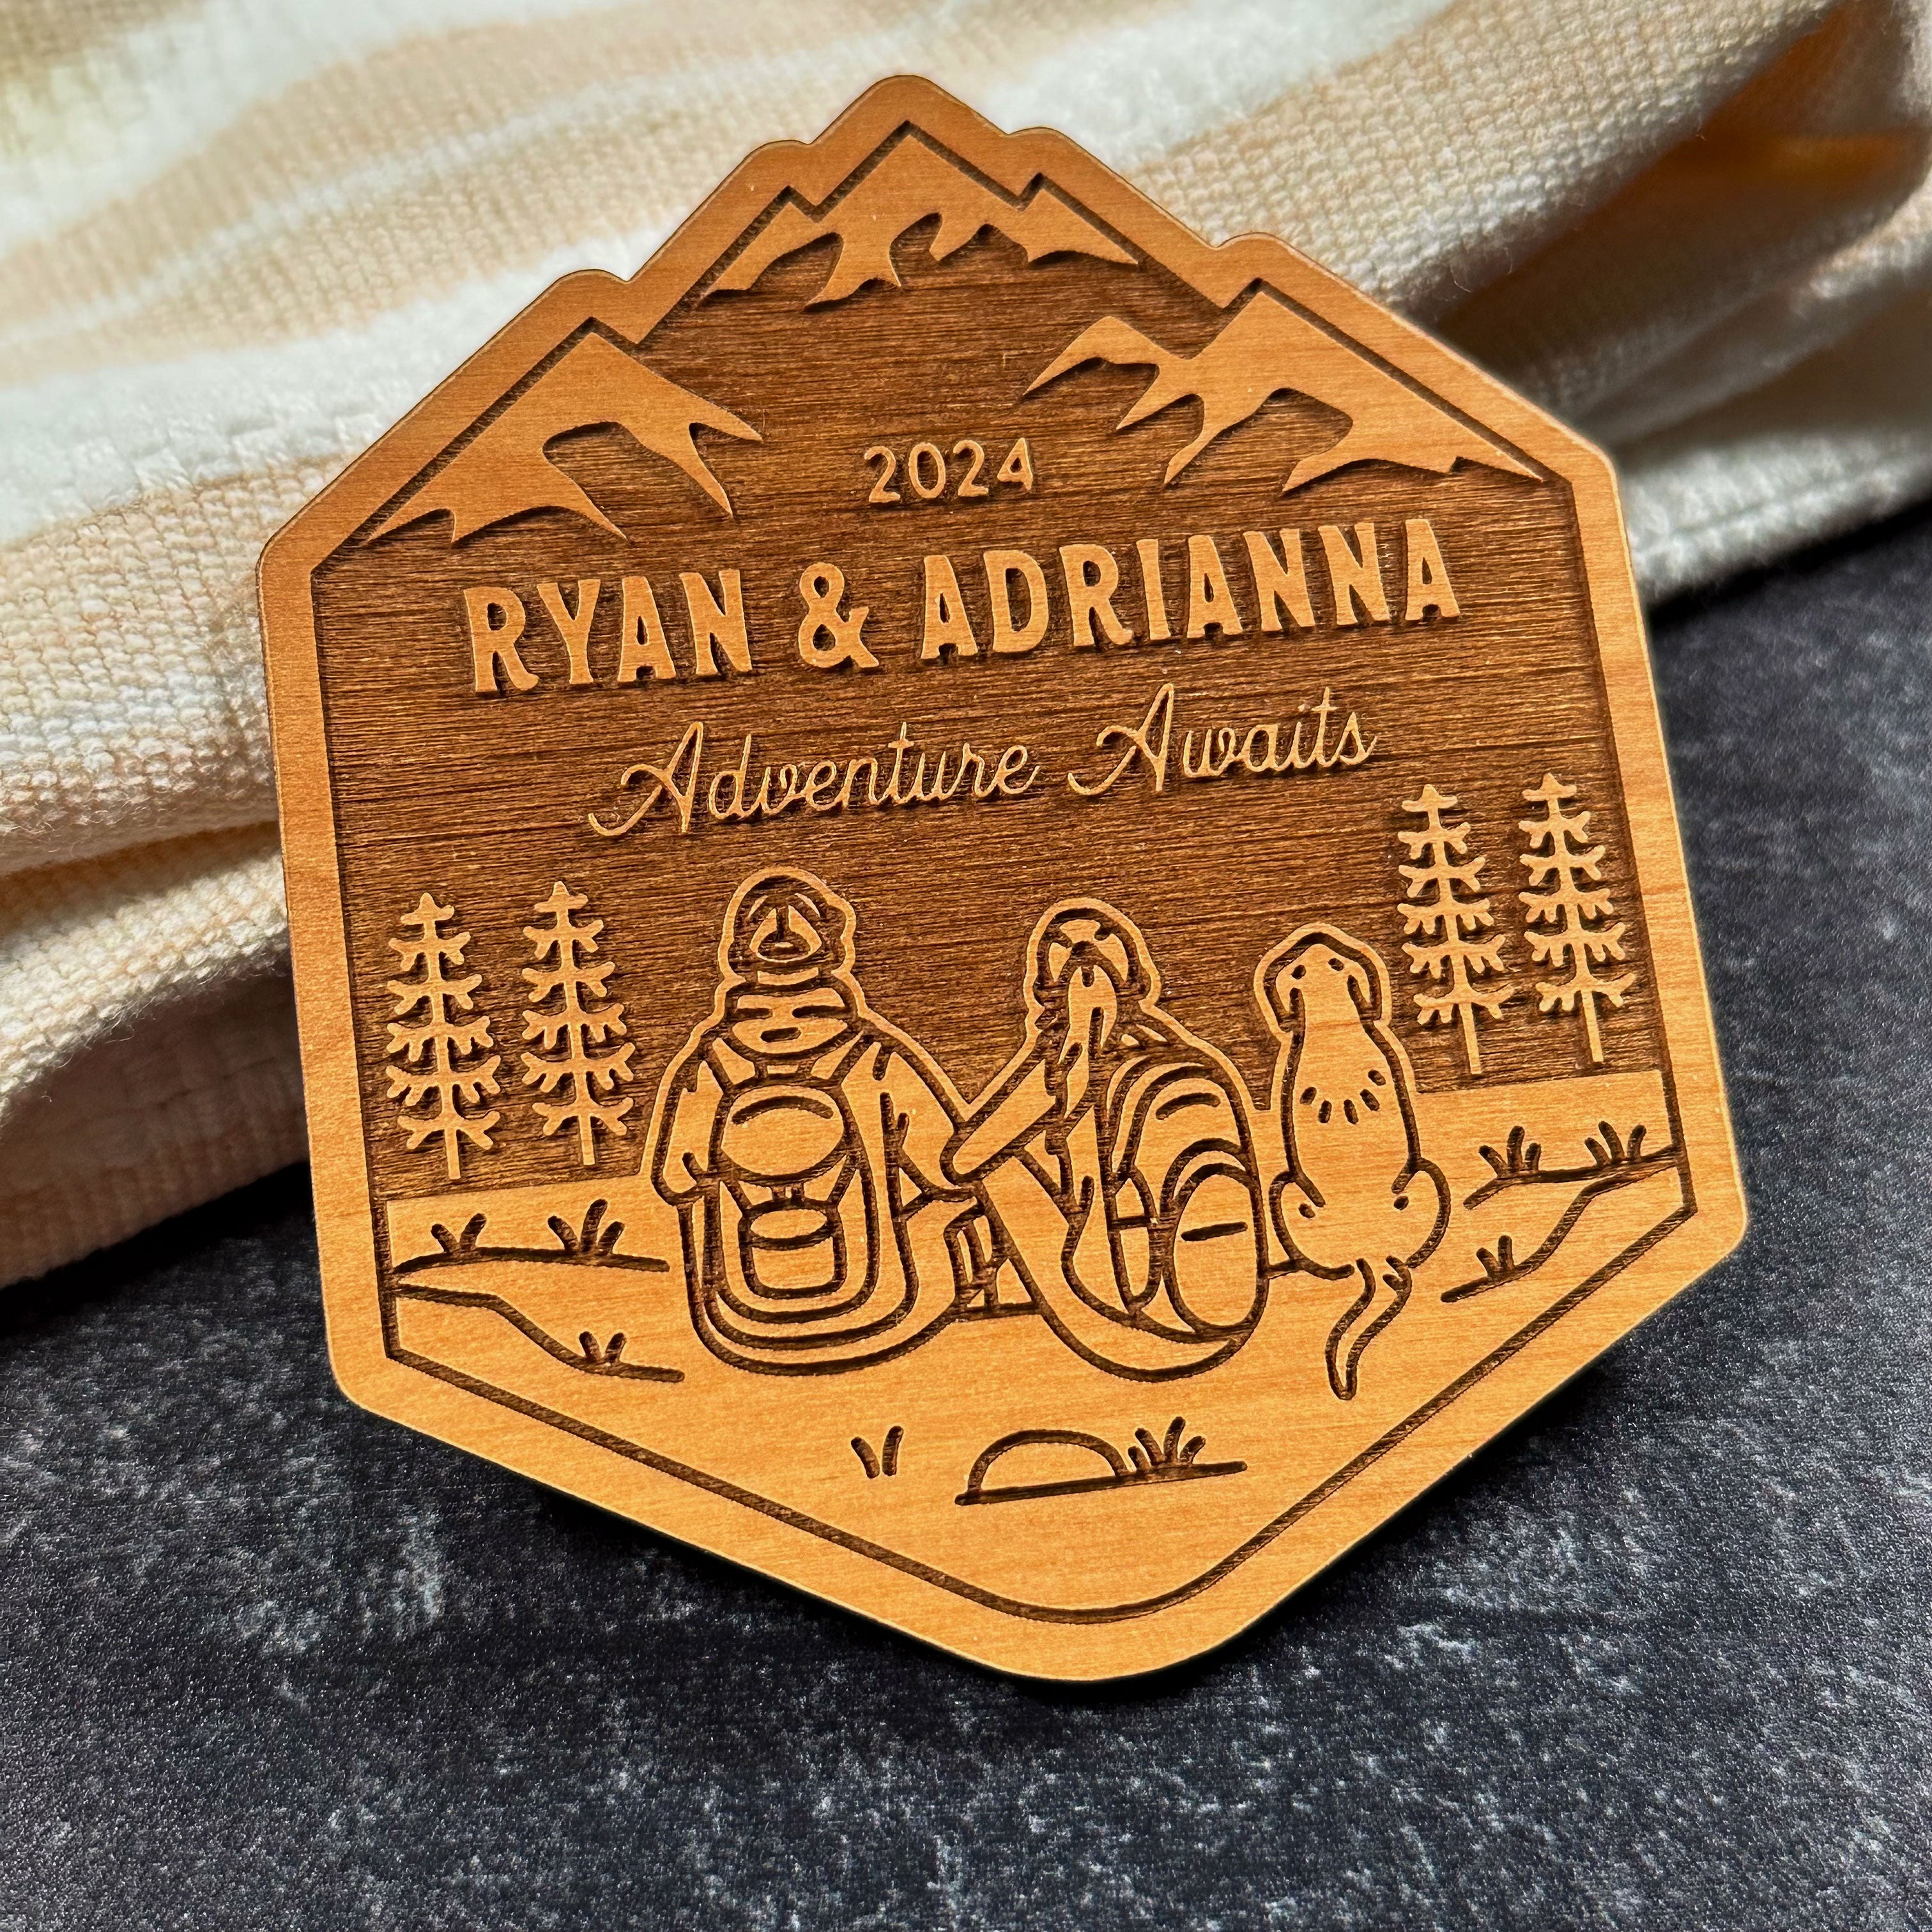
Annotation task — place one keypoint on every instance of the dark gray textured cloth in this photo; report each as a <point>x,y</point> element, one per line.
<point>1659,1657</point>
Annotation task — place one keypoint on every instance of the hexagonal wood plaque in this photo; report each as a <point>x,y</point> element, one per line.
<point>986,902</point>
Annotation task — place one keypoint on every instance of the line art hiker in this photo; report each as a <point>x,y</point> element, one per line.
<point>800,1136</point>
<point>1114,1151</point>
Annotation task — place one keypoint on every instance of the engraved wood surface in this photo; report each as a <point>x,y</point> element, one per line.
<point>1043,956</point>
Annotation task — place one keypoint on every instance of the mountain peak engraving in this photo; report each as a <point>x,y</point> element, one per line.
<point>504,471</point>
<point>912,184</point>
<point>1266,350</point>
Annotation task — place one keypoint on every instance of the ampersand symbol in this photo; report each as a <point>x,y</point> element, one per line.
<point>823,587</point>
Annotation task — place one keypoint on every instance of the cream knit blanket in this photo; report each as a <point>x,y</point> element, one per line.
<point>241,236</point>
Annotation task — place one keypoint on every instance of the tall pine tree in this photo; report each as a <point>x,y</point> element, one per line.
<point>1568,899</point>
<point>582,1057</point>
<point>1445,904</point>
<point>440,1084</point>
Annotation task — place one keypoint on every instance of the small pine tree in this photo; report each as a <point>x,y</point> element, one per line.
<point>1446,907</point>
<point>1559,859</point>
<point>575,1060</point>
<point>442,1076</point>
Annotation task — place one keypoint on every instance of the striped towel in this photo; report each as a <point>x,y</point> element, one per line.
<point>241,236</point>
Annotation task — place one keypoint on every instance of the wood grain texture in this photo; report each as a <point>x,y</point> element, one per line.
<point>986,903</point>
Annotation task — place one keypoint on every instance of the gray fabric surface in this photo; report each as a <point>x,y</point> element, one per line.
<point>1659,1657</point>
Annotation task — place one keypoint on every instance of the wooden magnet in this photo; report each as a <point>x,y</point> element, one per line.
<point>986,902</point>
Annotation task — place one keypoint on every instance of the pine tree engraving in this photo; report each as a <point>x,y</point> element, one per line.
<point>582,1057</point>
<point>440,1084</point>
<point>1564,870</point>
<point>1445,904</point>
